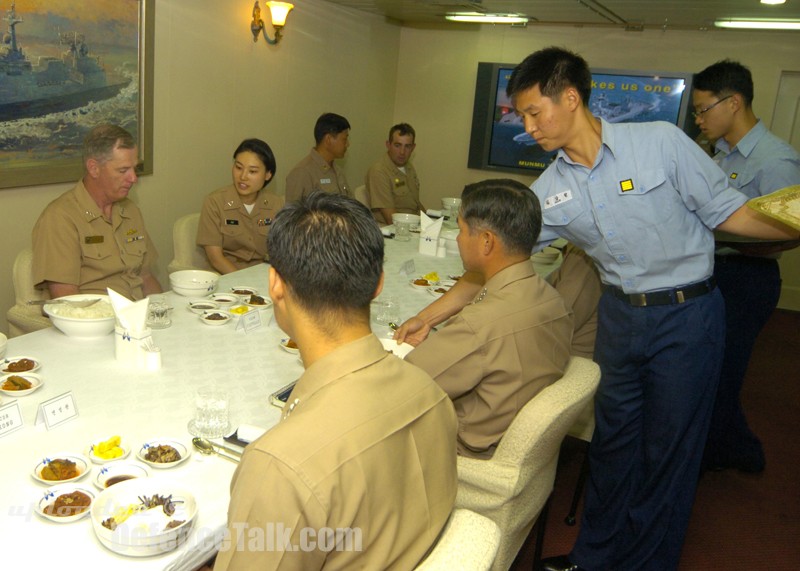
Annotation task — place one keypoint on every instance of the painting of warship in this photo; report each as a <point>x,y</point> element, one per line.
<point>55,83</point>
<point>65,67</point>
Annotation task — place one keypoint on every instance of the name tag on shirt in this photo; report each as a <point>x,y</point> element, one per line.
<point>232,222</point>
<point>556,199</point>
<point>94,239</point>
<point>324,181</point>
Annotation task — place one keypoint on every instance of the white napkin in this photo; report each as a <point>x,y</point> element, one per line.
<point>131,315</point>
<point>429,234</point>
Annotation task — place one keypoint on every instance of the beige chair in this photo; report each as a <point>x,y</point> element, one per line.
<point>469,542</point>
<point>188,255</point>
<point>583,429</point>
<point>362,196</point>
<point>514,485</point>
<point>23,318</point>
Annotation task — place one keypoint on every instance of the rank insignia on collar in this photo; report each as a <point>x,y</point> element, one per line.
<point>734,175</point>
<point>626,185</point>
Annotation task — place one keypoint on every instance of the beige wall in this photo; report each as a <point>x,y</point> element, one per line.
<point>215,87</point>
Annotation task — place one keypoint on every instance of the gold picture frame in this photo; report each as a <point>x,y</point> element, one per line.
<point>70,88</point>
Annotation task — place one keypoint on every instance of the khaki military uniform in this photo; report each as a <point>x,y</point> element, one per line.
<point>389,187</point>
<point>498,353</point>
<point>579,285</point>
<point>313,173</point>
<point>74,244</point>
<point>225,222</point>
<point>367,442</point>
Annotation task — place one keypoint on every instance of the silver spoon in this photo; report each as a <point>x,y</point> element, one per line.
<point>72,302</point>
<point>207,447</point>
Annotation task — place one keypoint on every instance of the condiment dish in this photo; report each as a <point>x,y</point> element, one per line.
<point>49,497</point>
<point>116,472</point>
<point>182,450</point>
<point>81,466</point>
<point>34,379</point>
<point>6,363</point>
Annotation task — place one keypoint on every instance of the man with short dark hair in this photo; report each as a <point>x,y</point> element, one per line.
<point>367,441</point>
<point>513,340</point>
<point>93,237</point>
<point>392,183</point>
<point>747,272</point>
<point>318,171</point>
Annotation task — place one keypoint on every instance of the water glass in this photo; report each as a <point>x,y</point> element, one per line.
<point>402,231</point>
<point>158,312</point>
<point>387,311</point>
<point>211,413</point>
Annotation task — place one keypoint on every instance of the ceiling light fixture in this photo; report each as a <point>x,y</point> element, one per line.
<point>773,2</point>
<point>758,24</point>
<point>480,18</point>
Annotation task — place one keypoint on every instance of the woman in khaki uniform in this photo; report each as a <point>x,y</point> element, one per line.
<point>236,219</point>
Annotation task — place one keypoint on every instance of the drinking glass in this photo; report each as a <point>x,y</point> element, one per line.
<point>158,312</point>
<point>402,231</point>
<point>211,413</point>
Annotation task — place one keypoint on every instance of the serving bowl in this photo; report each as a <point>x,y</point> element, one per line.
<point>406,218</point>
<point>96,320</point>
<point>145,532</point>
<point>193,283</point>
<point>3,343</point>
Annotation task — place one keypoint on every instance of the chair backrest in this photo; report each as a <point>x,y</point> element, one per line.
<point>188,255</point>
<point>468,542</point>
<point>22,278</point>
<point>361,195</point>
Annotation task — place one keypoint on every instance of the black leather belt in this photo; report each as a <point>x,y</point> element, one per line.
<point>664,296</point>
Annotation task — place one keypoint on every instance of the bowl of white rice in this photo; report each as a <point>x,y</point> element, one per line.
<point>95,320</point>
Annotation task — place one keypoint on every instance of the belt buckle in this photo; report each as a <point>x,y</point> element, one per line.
<point>679,297</point>
<point>638,299</point>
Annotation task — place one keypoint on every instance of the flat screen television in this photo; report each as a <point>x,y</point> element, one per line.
<point>499,142</point>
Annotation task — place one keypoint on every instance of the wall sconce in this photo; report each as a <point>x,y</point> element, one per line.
<point>279,11</point>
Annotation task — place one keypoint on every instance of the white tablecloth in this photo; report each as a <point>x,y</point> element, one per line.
<point>140,405</point>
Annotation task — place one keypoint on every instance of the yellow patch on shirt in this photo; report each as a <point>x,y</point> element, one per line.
<point>132,231</point>
<point>626,185</point>
<point>734,175</point>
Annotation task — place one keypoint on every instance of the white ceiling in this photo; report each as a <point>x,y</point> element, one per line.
<point>669,14</point>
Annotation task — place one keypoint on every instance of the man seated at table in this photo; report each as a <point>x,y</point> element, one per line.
<point>318,171</point>
<point>513,340</point>
<point>392,183</point>
<point>367,441</point>
<point>93,236</point>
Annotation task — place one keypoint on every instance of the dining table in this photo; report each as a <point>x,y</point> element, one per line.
<point>141,405</point>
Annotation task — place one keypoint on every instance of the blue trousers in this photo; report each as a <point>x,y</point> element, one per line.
<point>660,366</point>
<point>751,287</point>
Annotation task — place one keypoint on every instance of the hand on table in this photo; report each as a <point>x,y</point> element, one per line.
<point>414,331</point>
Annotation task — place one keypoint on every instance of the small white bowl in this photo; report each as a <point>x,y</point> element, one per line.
<point>117,472</point>
<point>243,292</point>
<point>215,318</point>
<point>81,464</point>
<point>183,451</point>
<point>50,496</point>
<point>400,350</point>
<point>126,449</point>
<point>6,362</point>
<point>425,286</point>
<point>200,306</point>
<point>193,283</point>
<point>34,379</point>
<point>225,299</point>
<point>285,346</point>
<point>266,305</point>
<point>3,343</point>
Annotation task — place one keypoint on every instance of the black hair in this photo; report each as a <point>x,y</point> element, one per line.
<point>262,151</point>
<point>329,250</point>
<point>329,124</point>
<point>725,78</point>
<point>553,69</point>
<point>506,207</point>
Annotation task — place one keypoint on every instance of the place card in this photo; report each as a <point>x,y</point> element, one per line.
<point>10,418</point>
<point>57,410</point>
<point>249,321</point>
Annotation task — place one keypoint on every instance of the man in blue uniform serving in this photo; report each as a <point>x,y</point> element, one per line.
<point>757,163</point>
<point>641,200</point>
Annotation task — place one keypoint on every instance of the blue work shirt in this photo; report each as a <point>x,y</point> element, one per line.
<point>760,163</point>
<point>644,212</point>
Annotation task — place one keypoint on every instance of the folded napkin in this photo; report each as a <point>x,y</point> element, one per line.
<point>429,234</point>
<point>131,315</point>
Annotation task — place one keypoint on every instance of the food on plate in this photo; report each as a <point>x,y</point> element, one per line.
<point>109,449</point>
<point>146,503</point>
<point>421,282</point>
<point>454,277</point>
<point>216,316</point>
<point>257,300</point>
<point>98,310</point>
<point>117,479</point>
<point>20,366</point>
<point>291,344</point>
<point>203,306</point>
<point>16,383</point>
<point>441,290</point>
<point>242,291</point>
<point>239,310</point>
<point>432,277</point>
<point>60,469</point>
<point>162,454</point>
<point>70,504</point>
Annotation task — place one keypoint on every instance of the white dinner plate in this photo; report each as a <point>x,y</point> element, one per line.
<point>8,360</point>
<point>428,283</point>
<point>399,350</point>
<point>285,346</point>
<point>126,449</point>
<point>118,470</point>
<point>182,449</point>
<point>51,494</point>
<point>34,379</point>
<point>81,464</point>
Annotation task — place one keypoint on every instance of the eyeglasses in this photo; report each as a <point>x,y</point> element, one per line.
<point>702,112</point>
